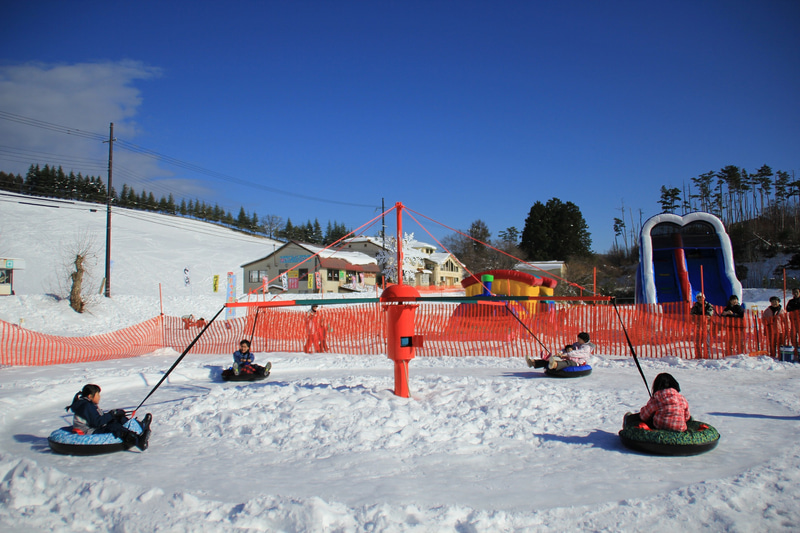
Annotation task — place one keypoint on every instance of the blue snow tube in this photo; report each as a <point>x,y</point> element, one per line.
<point>66,441</point>
<point>570,372</point>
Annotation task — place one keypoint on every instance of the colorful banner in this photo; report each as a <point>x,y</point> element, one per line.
<point>230,312</point>
<point>292,259</point>
<point>215,283</point>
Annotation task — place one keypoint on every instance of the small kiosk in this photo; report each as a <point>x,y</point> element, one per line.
<point>7,267</point>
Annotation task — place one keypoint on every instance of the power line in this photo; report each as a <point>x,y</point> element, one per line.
<point>50,126</point>
<point>174,221</point>
<point>133,148</point>
<point>223,231</point>
<point>22,152</point>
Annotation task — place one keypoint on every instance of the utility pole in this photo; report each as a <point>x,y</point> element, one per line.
<point>383,223</point>
<point>110,141</point>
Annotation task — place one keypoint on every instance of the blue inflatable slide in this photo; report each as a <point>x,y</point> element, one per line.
<point>680,256</point>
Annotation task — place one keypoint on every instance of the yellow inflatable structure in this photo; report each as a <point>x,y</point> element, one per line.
<point>511,283</point>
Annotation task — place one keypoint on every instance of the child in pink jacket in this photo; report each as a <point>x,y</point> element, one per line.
<point>667,408</point>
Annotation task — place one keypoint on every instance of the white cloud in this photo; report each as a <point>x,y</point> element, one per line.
<point>83,96</point>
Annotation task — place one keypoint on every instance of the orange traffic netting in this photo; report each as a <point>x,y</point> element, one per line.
<point>448,329</point>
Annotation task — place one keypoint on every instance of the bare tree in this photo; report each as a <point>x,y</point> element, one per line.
<point>76,279</point>
<point>271,225</point>
<point>75,297</point>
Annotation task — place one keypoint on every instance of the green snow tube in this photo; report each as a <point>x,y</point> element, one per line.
<point>699,438</point>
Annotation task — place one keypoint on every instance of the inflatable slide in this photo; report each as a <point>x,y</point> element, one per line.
<point>680,256</point>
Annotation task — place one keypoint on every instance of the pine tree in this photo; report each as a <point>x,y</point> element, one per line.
<point>316,233</point>
<point>242,221</point>
<point>288,232</point>
<point>555,232</point>
<point>32,180</point>
<point>61,185</point>
<point>669,199</point>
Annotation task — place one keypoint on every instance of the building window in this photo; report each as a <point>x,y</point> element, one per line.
<point>255,276</point>
<point>333,274</point>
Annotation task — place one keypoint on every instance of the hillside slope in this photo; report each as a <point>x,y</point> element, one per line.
<point>149,254</point>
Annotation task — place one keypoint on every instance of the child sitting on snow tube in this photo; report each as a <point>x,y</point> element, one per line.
<point>90,419</point>
<point>244,362</point>
<point>572,355</point>
<point>667,408</point>
<point>664,426</point>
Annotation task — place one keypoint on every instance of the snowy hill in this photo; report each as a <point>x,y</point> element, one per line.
<point>484,444</point>
<point>150,254</point>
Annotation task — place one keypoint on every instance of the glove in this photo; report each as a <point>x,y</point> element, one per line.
<point>119,414</point>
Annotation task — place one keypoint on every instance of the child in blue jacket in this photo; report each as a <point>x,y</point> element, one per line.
<point>89,418</point>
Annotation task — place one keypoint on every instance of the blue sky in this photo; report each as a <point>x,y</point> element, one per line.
<point>459,110</point>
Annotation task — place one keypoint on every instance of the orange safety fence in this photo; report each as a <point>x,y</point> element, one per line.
<point>448,329</point>
<point>356,329</point>
<point>20,346</point>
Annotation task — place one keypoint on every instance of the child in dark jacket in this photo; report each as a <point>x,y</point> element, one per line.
<point>89,418</point>
<point>667,408</point>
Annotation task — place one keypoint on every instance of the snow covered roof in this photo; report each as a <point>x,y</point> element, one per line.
<point>420,244</point>
<point>365,238</point>
<point>438,257</point>
<point>335,263</point>
<point>354,258</point>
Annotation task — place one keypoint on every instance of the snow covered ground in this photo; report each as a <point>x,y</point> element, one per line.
<point>484,444</point>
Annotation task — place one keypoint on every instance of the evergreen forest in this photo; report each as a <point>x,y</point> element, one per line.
<point>761,211</point>
<point>51,182</point>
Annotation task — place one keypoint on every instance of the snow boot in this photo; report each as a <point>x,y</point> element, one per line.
<point>129,438</point>
<point>143,440</point>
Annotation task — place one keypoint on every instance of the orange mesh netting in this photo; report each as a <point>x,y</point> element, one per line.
<point>449,329</point>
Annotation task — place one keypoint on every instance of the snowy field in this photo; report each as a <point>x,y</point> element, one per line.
<point>484,444</point>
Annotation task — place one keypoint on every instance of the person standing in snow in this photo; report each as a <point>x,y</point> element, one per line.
<point>701,311</point>
<point>572,355</point>
<point>793,314</point>
<point>794,303</point>
<point>773,325</point>
<point>89,418</point>
<point>733,313</point>
<point>316,331</point>
<point>667,408</point>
